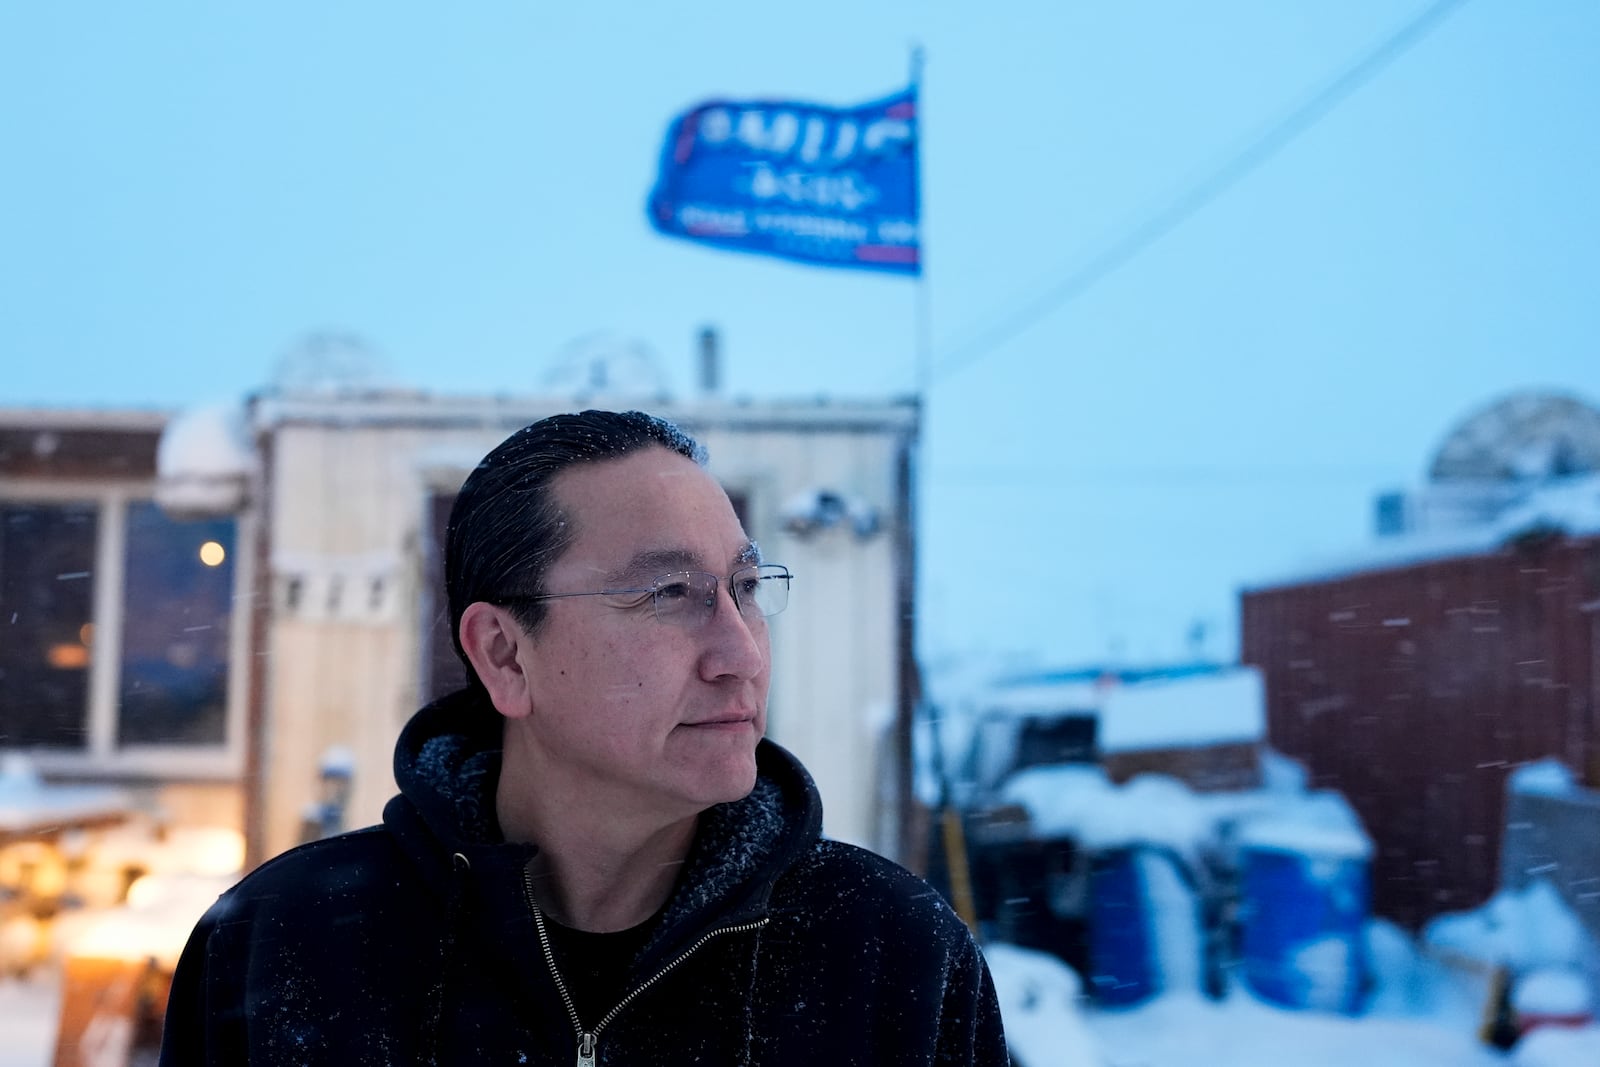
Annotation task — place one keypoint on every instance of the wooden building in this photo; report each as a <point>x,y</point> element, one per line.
<point>229,692</point>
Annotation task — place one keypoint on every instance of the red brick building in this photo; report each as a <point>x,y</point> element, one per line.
<point>1415,679</point>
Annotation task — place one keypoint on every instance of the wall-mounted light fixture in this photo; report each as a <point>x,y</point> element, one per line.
<point>807,514</point>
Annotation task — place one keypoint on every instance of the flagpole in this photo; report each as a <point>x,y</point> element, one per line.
<point>952,831</point>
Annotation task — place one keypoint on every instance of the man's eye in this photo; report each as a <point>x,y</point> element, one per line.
<point>749,587</point>
<point>672,591</point>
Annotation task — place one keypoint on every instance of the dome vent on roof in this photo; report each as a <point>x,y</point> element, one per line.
<point>328,363</point>
<point>1525,437</point>
<point>605,363</point>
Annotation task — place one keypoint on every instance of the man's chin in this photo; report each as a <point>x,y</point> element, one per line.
<point>730,783</point>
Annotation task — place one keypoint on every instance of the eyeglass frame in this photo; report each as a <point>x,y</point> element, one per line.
<point>654,589</point>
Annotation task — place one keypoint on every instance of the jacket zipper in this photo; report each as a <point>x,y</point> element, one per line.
<point>588,1040</point>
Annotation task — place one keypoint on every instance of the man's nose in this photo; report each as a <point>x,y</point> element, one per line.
<point>736,642</point>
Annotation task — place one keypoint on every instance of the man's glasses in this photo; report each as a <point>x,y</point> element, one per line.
<point>689,598</point>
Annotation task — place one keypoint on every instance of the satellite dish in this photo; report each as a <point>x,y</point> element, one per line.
<point>606,363</point>
<point>1523,437</point>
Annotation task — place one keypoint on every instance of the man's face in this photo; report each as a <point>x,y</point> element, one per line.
<point>625,708</point>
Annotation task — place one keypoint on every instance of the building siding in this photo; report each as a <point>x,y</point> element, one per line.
<point>1415,691</point>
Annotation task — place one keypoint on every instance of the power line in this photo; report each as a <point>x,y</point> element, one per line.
<point>1159,476</point>
<point>1196,196</point>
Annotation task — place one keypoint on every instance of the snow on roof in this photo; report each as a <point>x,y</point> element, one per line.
<point>1569,505</point>
<point>1184,712</point>
<point>28,805</point>
<point>1079,802</point>
<point>503,413</point>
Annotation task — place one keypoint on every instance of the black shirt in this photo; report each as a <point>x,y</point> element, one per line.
<point>595,966</point>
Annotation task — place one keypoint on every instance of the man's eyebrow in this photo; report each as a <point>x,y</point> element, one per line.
<point>654,563</point>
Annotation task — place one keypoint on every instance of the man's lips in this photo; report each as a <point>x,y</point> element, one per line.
<point>726,722</point>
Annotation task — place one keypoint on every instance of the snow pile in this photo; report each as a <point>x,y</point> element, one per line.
<point>1554,1047</point>
<point>1546,777</point>
<point>1185,1031</point>
<point>1406,982</point>
<point>1222,708</point>
<point>1039,997</point>
<point>1395,971</point>
<point>1552,992</point>
<point>1524,930</point>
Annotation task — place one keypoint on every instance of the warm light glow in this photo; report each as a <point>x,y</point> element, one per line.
<point>86,633</point>
<point>65,657</point>
<point>212,554</point>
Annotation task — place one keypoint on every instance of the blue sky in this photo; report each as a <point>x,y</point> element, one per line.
<point>190,187</point>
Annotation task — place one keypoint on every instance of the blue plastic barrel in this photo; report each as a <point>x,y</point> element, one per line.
<point>1121,965</point>
<point>1120,939</point>
<point>1144,935</point>
<point>1303,908</point>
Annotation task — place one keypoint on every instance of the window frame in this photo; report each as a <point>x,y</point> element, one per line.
<point>101,756</point>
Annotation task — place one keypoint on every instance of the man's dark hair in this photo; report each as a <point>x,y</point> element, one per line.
<point>507,528</point>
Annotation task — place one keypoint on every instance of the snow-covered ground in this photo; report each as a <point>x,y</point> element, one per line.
<point>1049,1026</point>
<point>28,1019</point>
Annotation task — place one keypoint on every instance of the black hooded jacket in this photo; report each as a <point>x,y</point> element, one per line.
<point>416,942</point>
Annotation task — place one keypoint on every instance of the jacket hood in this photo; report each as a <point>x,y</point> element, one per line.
<point>447,764</point>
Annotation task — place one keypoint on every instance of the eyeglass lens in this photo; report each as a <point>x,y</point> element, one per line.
<point>691,596</point>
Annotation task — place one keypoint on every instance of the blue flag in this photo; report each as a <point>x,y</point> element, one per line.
<point>824,185</point>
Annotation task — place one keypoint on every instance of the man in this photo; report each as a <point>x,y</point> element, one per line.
<point>594,858</point>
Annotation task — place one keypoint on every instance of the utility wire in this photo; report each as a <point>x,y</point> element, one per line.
<point>1190,200</point>
<point>1136,477</point>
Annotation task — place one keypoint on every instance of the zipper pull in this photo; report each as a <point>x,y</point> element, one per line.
<point>586,1050</point>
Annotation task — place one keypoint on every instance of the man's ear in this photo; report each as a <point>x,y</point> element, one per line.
<point>491,639</point>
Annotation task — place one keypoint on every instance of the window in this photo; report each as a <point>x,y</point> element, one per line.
<point>119,624</point>
<point>46,566</point>
<point>179,584</point>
